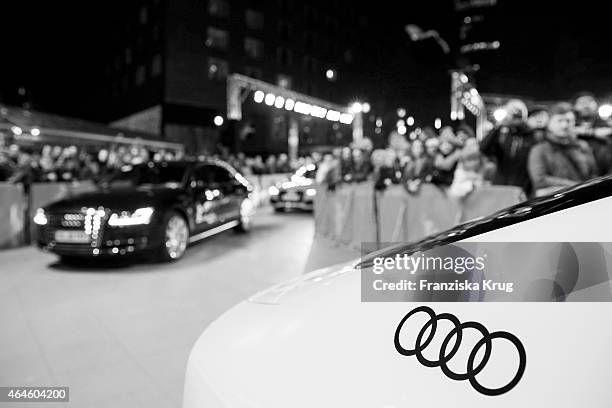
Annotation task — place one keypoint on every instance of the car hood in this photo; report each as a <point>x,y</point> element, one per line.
<point>124,198</point>
<point>303,284</point>
<point>318,345</point>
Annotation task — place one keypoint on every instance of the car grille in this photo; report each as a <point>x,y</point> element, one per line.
<point>299,194</point>
<point>101,241</point>
<point>92,221</point>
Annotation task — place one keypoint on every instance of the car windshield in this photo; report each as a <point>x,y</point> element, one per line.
<point>168,174</point>
<point>308,171</point>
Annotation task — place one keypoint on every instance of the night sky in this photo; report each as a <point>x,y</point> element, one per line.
<point>56,50</point>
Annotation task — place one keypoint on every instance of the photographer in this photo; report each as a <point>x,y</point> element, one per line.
<point>594,131</point>
<point>508,145</point>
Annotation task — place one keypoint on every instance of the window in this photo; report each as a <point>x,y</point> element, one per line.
<point>310,64</point>
<point>285,6</point>
<point>218,8</point>
<point>254,19</point>
<point>253,48</point>
<point>139,42</point>
<point>212,176</point>
<point>309,40</point>
<point>284,56</point>
<point>156,65</point>
<point>217,69</point>
<point>128,56</point>
<point>141,75</point>
<point>221,175</point>
<point>348,56</point>
<point>284,31</point>
<point>204,176</point>
<point>125,82</point>
<point>156,32</point>
<point>312,17</point>
<point>143,15</point>
<point>216,38</point>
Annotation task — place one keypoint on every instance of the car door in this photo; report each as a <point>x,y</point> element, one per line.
<point>207,198</point>
<point>230,199</point>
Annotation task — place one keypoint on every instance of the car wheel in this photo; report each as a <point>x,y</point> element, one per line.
<point>175,238</point>
<point>245,222</point>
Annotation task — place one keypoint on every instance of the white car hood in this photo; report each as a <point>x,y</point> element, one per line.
<point>296,352</point>
<point>313,343</point>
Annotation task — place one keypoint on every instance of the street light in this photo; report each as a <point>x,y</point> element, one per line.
<point>270,99</point>
<point>289,104</point>
<point>356,107</point>
<point>499,114</point>
<point>330,74</point>
<point>218,120</point>
<point>279,102</point>
<point>416,33</point>
<point>259,96</point>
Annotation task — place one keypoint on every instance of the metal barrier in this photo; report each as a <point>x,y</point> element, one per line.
<point>17,208</point>
<point>355,213</point>
<point>12,214</point>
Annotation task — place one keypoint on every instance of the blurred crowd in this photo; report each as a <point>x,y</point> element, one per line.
<point>273,164</point>
<point>539,150</point>
<point>50,163</point>
<point>71,163</point>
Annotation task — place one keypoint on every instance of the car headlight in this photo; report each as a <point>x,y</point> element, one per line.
<point>273,190</point>
<point>139,217</point>
<point>40,218</point>
<point>311,192</point>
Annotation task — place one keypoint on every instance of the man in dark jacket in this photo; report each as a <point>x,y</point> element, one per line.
<point>508,145</point>
<point>594,131</point>
<point>361,166</point>
<point>6,170</point>
<point>561,160</point>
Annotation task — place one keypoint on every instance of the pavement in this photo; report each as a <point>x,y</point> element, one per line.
<point>119,334</point>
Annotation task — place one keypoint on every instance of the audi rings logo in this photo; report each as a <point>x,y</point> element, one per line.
<point>445,356</point>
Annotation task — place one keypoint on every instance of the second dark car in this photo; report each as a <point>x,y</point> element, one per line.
<point>155,208</point>
<point>298,191</point>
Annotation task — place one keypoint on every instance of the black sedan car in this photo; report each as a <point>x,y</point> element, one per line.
<point>154,208</point>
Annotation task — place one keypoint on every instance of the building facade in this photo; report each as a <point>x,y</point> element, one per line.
<point>170,61</point>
